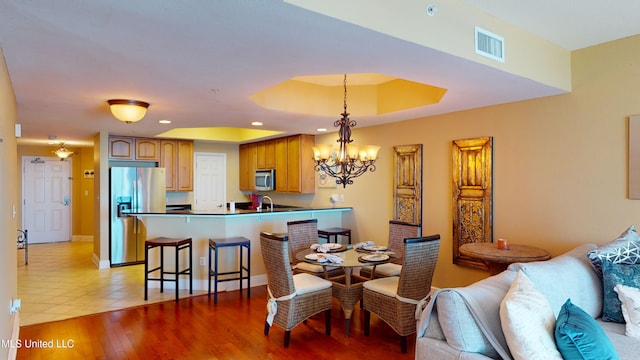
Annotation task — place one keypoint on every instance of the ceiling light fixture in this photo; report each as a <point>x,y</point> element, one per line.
<point>128,111</point>
<point>62,152</point>
<point>349,160</point>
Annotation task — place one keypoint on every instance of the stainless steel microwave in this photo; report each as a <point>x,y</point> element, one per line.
<point>265,180</point>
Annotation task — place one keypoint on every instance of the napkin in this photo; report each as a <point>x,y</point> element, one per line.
<point>361,245</point>
<point>334,259</point>
<point>320,248</point>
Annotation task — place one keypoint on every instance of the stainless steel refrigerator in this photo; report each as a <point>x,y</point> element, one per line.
<point>134,189</point>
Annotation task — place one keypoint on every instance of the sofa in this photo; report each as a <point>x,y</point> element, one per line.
<point>465,322</point>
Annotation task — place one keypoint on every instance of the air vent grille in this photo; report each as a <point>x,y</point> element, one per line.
<point>489,45</point>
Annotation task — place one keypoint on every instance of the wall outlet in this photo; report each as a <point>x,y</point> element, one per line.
<point>15,306</point>
<point>341,197</point>
<point>202,261</point>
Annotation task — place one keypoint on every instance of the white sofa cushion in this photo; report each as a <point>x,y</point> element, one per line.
<point>569,275</point>
<point>528,322</point>
<point>457,322</point>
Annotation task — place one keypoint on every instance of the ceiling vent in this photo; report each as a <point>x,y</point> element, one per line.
<point>489,45</point>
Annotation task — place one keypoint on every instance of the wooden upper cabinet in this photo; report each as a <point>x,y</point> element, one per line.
<point>176,156</point>
<point>282,164</point>
<point>265,154</point>
<point>121,148</point>
<point>270,154</point>
<point>185,165</point>
<point>301,175</point>
<point>168,160</point>
<point>290,156</point>
<point>147,149</point>
<point>261,155</point>
<point>247,154</point>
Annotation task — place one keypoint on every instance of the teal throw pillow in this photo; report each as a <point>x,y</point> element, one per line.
<point>578,336</point>
<point>614,274</point>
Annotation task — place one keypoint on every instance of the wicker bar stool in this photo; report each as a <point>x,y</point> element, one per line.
<point>240,242</point>
<point>162,242</point>
<point>334,232</point>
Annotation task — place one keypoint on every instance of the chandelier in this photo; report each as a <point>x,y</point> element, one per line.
<point>349,160</point>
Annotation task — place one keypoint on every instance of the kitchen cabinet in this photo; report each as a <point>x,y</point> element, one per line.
<point>121,148</point>
<point>301,176</point>
<point>131,148</point>
<point>176,156</point>
<point>294,164</point>
<point>147,149</point>
<point>282,164</point>
<point>266,152</point>
<point>290,156</point>
<point>247,154</point>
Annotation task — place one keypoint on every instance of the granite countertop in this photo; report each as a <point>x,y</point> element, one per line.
<point>276,210</point>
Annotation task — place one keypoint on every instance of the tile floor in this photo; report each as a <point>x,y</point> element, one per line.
<point>61,282</point>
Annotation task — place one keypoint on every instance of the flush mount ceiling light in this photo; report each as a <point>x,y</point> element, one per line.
<point>349,160</point>
<point>62,152</point>
<point>128,111</point>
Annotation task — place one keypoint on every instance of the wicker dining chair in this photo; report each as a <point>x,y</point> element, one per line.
<point>398,231</point>
<point>395,299</point>
<point>292,298</point>
<point>302,234</point>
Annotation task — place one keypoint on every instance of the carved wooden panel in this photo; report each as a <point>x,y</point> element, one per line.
<point>472,196</point>
<point>407,183</point>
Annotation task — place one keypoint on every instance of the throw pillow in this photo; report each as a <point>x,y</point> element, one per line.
<point>578,336</point>
<point>630,298</point>
<point>623,250</point>
<point>528,321</point>
<point>615,274</point>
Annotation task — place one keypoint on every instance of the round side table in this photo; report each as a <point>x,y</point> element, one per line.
<point>498,259</point>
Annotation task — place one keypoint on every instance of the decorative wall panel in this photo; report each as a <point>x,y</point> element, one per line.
<point>407,183</point>
<point>472,196</point>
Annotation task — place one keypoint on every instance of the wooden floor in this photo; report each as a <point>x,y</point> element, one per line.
<point>195,328</point>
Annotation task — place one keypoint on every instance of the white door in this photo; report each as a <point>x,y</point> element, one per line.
<point>46,194</point>
<point>210,182</point>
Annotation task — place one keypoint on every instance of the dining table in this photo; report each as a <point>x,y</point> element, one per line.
<point>347,288</point>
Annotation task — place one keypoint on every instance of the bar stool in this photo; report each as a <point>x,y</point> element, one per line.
<point>162,242</point>
<point>237,241</point>
<point>334,231</point>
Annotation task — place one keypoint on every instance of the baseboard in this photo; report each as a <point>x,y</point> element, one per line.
<point>82,238</point>
<point>257,280</point>
<point>101,264</point>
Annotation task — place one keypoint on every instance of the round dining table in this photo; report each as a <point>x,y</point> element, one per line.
<point>346,288</point>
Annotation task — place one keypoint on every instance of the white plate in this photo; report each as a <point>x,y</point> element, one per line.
<point>375,257</point>
<point>375,248</point>
<point>331,246</point>
<point>315,257</point>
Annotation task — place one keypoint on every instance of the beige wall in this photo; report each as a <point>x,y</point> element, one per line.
<point>8,199</point>
<point>560,163</point>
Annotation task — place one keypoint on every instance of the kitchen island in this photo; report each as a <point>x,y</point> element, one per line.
<point>204,225</point>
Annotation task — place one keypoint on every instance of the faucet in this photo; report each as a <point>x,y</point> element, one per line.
<point>270,203</point>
